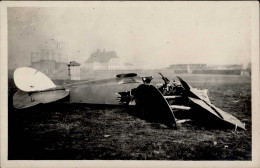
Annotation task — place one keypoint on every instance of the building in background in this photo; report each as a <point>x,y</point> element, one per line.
<point>50,62</point>
<point>186,68</point>
<point>225,69</point>
<point>105,60</point>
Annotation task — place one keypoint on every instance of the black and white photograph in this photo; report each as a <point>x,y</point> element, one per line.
<point>129,81</point>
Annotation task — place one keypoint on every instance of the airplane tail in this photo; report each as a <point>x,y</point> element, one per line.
<point>35,88</point>
<point>30,80</point>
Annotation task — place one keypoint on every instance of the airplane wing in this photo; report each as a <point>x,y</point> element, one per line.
<point>108,81</point>
<point>153,105</point>
<point>201,100</point>
<point>103,91</point>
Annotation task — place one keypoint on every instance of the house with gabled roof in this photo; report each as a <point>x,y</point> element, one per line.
<point>104,60</point>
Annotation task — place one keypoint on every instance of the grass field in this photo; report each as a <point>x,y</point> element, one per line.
<point>86,132</point>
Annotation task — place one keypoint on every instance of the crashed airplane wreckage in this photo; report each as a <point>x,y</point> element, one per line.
<point>160,103</point>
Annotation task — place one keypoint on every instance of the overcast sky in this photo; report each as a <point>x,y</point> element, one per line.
<point>145,34</point>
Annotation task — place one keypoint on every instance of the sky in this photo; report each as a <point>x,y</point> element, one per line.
<point>147,35</point>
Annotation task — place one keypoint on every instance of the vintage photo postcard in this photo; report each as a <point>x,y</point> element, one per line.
<point>130,84</point>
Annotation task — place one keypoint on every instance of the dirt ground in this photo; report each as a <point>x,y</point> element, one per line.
<point>61,131</point>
